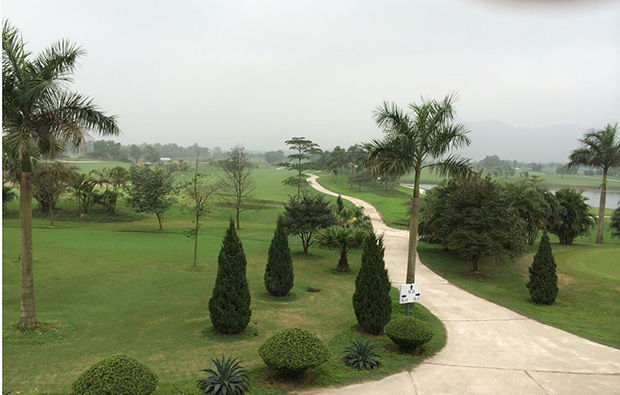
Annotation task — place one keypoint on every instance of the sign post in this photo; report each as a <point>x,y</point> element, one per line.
<point>410,293</point>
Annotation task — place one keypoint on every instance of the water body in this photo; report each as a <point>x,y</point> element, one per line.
<point>612,201</point>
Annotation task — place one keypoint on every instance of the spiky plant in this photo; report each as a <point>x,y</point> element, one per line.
<point>228,378</point>
<point>361,355</point>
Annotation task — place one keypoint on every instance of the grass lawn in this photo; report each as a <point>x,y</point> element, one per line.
<point>589,276</point>
<point>125,287</point>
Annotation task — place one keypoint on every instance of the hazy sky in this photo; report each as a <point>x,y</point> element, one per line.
<point>251,72</point>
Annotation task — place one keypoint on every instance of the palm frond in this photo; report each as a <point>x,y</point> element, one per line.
<point>453,166</point>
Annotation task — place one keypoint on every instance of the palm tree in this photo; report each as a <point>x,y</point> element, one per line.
<point>415,140</point>
<point>601,148</point>
<point>39,115</point>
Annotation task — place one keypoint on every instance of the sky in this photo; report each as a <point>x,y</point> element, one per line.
<point>256,73</point>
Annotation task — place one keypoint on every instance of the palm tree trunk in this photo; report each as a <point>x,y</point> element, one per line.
<point>601,209</point>
<point>413,229</point>
<point>343,262</point>
<point>28,315</point>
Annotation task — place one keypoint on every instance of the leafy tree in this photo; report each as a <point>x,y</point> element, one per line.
<point>416,140</point>
<point>305,216</point>
<point>573,218</point>
<point>151,190</point>
<point>543,284</point>
<point>479,221</point>
<point>274,157</point>
<point>371,300</point>
<point>39,115</point>
<point>300,161</point>
<point>103,149</point>
<point>615,223</point>
<point>198,191</point>
<point>135,152</point>
<point>238,185</point>
<point>601,149</point>
<point>536,206</point>
<point>83,187</point>
<point>349,233</point>
<point>229,305</point>
<point>49,182</point>
<point>115,177</point>
<point>8,194</point>
<point>279,274</point>
<point>151,154</point>
<point>359,177</point>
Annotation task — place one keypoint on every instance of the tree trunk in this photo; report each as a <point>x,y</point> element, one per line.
<point>475,262</point>
<point>413,229</point>
<point>601,209</point>
<point>196,238</point>
<point>343,262</point>
<point>28,315</point>
<point>238,227</point>
<point>159,221</point>
<point>51,211</point>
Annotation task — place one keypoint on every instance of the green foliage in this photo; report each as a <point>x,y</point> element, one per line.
<point>300,161</point>
<point>151,190</point>
<point>279,274</point>
<point>573,216</point>
<point>305,216</point>
<point>229,305</point>
<point>479,221</point>
<point>228,378</point>
<point>408,332</point>
<point>543,284</point>
<point>615,223</point>
<point>117,374</point>
<point>371,300</point>
<point>49,182</point>
<point>8,194</point>
<point>291,351</point>
<point>361,355</point>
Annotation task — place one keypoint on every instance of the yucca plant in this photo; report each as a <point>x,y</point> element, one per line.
<point>228,378</point>
<point>361,355</point>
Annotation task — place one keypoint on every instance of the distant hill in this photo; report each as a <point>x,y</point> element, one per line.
<point>544,144</point>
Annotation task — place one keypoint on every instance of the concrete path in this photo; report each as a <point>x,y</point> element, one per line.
<point>490,349</point>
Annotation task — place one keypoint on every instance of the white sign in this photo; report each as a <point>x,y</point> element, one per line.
<point>410,293</point>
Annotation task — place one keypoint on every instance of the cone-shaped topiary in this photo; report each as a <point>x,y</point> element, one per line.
<point>279,270</point>
<point>371,300</point>
<point>230,304</point>
<point>116,374</point>
<point>543,284</point>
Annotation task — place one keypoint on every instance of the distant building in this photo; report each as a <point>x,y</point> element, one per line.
<point>165,161</point>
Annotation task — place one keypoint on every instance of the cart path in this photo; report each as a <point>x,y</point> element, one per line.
<point>490,349</point>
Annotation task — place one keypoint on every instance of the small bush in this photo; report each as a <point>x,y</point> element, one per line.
<point>543,284</point>
<point>228,378</point>
<point>291,351</point>
<point>361,355</point>
<point>408,333</point>
<point>279,276</point>
<point>118,375</point>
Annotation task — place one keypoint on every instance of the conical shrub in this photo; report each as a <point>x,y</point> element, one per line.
<point>371,300</point>
<point>279,271</point>
<point>229,305</point>
<point>543,284</point>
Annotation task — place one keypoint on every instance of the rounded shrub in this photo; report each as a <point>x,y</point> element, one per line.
<point>291,351</point>
<point>408,333</point>
<point>116,374</point>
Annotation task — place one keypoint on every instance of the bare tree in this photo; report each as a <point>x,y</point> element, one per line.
<point>238,185</point>
<point>198,191</point>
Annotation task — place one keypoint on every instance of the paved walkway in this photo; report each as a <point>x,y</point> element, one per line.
<point>490,349</point>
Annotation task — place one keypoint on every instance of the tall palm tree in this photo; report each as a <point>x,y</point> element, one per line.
<point>39,114</point>
<point>418,139</point>
<point>601,148</point>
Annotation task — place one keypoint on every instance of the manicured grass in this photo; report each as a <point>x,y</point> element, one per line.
<point>125,287</point>
<point>589,278</point>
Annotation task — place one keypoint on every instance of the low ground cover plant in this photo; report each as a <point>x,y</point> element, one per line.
<point>117,374</point>
<point>409,333</point>
<point>292,351</point>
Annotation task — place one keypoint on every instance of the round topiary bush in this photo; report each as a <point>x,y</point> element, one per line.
<point>118,375</point>
<point>292,351</point>
<point>408,333</point>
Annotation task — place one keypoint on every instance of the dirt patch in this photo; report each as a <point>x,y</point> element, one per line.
<point>313,290</point>
<point>475,274</point>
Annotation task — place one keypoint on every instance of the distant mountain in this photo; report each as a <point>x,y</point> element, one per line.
<point>544,144</point>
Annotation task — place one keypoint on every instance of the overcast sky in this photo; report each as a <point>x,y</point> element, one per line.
<point>255,73</point>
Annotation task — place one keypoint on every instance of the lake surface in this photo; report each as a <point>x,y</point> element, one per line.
<point>612,201</point>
